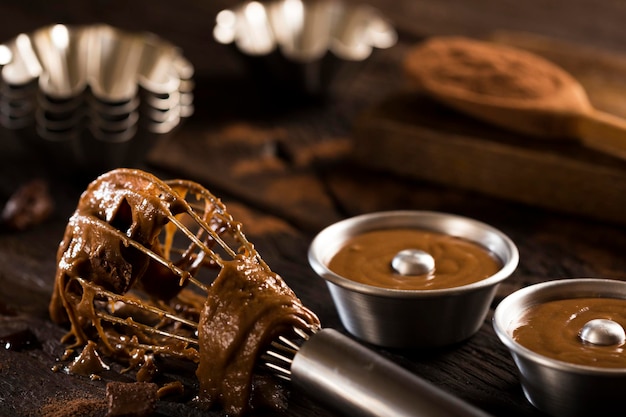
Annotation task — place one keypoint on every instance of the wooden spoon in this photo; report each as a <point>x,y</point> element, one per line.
<point>513,89</point>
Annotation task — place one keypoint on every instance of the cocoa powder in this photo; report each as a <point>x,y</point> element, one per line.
<point>74,407</point>
<point>464,66</point>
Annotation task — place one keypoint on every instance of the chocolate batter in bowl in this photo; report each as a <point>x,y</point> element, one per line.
<point>567,339</point>
<point>412,278</point>
<point>413,259</point>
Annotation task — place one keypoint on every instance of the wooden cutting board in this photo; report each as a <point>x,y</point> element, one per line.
<point>411,135</point>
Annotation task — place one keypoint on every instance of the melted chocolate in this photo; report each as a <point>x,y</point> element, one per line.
<point>247,307</point>
<point>30,205</point>
<point>88,362</point>
<point>367,258</point>
<point>552,329</point>
<point>120,258</point>
<point>135,399</point>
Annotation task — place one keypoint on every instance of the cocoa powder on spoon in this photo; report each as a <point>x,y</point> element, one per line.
<point>514,89</point>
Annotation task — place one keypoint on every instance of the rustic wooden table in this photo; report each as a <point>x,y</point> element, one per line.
<point>284,167</point>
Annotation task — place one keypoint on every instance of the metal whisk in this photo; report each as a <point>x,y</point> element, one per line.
<point>109,247</point>
<point>134,245</point>
<point>356,381</point>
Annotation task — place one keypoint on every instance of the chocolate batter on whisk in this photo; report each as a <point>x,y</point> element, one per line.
<point>123,280</point>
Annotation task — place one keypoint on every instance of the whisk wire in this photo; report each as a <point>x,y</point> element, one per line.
<point>218,260</point>
<point>147,307</point>
<point>130,322</point>
<point>279,371</point>
<point>143,327</point>
<point>279,356</point>
<point>184,275</point>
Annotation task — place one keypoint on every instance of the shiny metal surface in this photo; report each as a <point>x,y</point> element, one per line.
<point>299,36</point>
<point>358,382</point>
<point>98,82</point>
<point>305,30</point>
<point>602,332</point>
<point>413,262</point>
<point>438,317</point>
<point>559,388</point>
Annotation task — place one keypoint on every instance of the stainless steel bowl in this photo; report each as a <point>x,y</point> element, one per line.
<point>560,388</point>
<point>412,318</point>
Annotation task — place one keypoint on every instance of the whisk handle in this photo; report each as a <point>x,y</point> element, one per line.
<point>358,382</point>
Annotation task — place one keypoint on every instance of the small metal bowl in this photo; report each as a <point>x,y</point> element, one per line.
<point>556,387</point>
<point>412,318</point>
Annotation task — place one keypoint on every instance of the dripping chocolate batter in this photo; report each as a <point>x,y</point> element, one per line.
<point>239,317</point>
<point>118,258</point>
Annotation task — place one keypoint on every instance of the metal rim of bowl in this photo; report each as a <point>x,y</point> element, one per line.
<point>321,249</point>
<point>588,287</point>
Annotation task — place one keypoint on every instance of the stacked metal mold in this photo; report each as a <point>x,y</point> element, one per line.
<point>94,97</point>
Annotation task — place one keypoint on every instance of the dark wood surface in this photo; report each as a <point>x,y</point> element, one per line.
<point>285,168</point>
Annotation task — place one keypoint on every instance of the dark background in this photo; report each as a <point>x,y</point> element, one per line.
<point>307,182</point>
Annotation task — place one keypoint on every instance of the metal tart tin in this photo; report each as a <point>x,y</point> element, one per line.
<point>90,98</point>
<point>301,46</point>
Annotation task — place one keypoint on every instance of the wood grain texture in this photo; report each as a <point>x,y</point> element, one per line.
<point>411,135</point>
<point>256,150</point>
